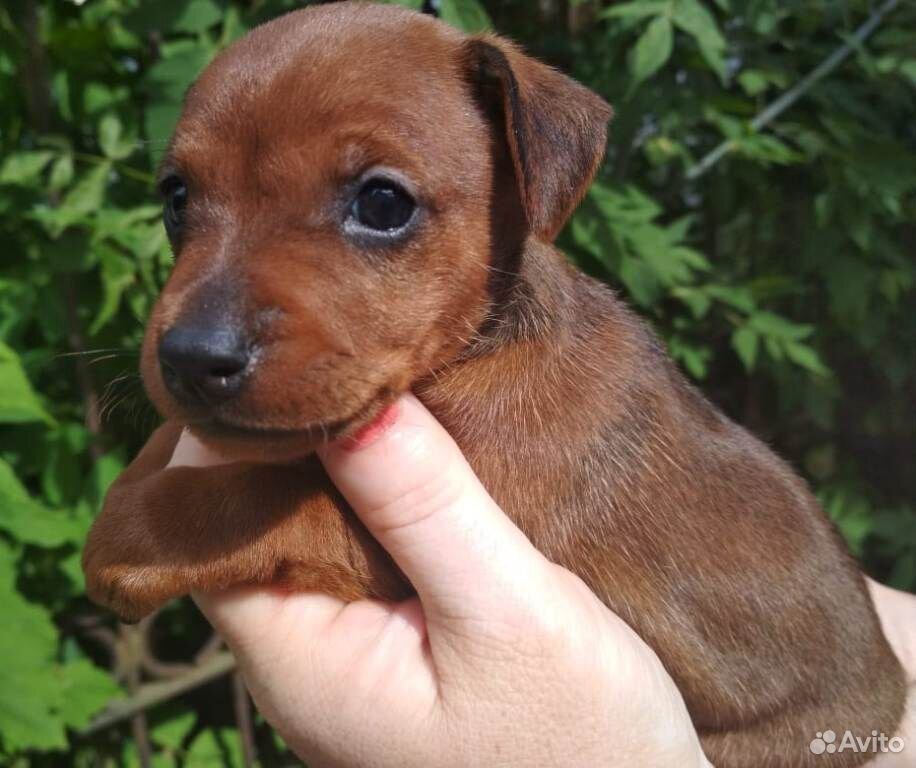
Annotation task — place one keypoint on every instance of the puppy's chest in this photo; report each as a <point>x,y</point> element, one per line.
<point>589,480</point>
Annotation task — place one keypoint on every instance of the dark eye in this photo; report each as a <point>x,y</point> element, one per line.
<point>383,206</point>
<point>176,199</point>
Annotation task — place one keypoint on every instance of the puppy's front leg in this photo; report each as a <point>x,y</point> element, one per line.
<point>164,532</point>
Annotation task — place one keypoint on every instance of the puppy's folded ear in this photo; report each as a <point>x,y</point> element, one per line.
<point>555,128</point>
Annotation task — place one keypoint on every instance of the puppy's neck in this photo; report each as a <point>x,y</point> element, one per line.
<point>532,299</point>
<point>543,365</point>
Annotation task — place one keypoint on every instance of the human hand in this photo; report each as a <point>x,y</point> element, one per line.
<point>503,658</point>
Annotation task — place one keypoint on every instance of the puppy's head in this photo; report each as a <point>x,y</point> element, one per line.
<point>341,185</point>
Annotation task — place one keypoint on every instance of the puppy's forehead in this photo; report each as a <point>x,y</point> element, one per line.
<point>358,79</point>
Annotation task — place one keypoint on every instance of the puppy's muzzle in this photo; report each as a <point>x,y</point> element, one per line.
<point>204,365</point>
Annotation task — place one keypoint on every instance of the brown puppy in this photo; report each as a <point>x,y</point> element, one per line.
<point>361,201</point>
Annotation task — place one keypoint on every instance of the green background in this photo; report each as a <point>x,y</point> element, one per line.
<point>783,280</point>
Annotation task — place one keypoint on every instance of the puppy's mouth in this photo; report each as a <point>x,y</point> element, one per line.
<point>257,438</point>
<point>219,427</point>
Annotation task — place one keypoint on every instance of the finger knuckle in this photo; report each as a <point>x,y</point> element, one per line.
<point>421,500</point>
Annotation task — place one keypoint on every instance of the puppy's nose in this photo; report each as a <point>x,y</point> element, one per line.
<point>206,364</point>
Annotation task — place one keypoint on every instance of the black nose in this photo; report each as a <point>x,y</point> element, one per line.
<point>206,364</point>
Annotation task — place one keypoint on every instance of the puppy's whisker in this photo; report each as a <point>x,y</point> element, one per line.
<point>113,351</point>
<point>109,393</point>
<point>105,410</point>
<point>102,359</point>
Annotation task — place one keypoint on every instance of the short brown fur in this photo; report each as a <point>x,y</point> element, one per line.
<point>563,401</point>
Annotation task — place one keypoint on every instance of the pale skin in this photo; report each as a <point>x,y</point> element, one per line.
<point>897,611</point>
<point>503,659</point>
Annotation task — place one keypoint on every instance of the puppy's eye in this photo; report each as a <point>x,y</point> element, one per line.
<point>383,206</point>
<point>176,199</point>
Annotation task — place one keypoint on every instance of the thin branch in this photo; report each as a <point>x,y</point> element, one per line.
<point>151,694</point>
<point>123,168</point>
<point>164,670</point>
<point>139,728</point>
<point>127,666</point>
<point>242,707</point>
<point>780,105</point>
<point>35,70</point>
<point>210,648</point>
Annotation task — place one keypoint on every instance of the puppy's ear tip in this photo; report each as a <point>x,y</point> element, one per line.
<point>491,56</point>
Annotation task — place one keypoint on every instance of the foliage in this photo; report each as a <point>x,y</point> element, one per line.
<point>783,280</point>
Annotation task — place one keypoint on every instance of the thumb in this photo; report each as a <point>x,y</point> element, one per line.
<point>408,482</point>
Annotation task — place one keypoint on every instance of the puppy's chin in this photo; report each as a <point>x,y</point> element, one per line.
<point>268,445</point>
<point>264,448</point>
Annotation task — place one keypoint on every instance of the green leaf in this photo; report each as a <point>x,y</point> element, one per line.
<point>767,148</point>
<point>105,471</point>
<point>30,522</point>
<point>24,167</point>
<point>117,274</point>
<point>414,5</point>
<point>173,732</point>
<point>167,80</point>
<point>219,748</point>
<point>625,206</point>
<point>852,515</point>
<point>85,690</point>
<point>735,296</point>
<point>61,173</point>
<point>753,82</point>
<point>63,474</point>
<point>234,26</point>
<point>71,567</point>
<point>48,695</point>
<point>908,70</point>
<point>197,16</point>
<point>280,743</point>
<point>804,356</point>
<point>640,281</point>
<point>652,50</point>
<point>18,401</point>
<point>699,23</point>
<point>745,342</point>
<point>696,300</point>
<point>84,198</point>
<point>774,348</point>
<point>778,327</point>
<point>635,10</point>
<point>112,140</point>
<point>27,646</point>
<point>99,97</point>
<point>693,357</point>
<point>466,15</point>
<point>87,195</point>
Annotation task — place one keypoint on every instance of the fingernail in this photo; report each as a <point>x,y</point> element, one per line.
<point>369,433</point>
